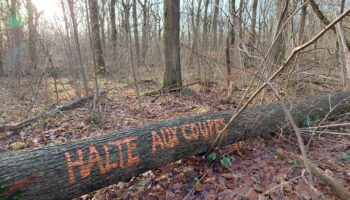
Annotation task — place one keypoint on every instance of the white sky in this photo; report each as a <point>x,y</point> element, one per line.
<point>50,8</point>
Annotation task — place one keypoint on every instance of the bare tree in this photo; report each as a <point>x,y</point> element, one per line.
<point>95,36</point>
<point>215,23</point>
<point>252,37</point>
<point>136,31</point>
<point>2,71</point>
<point>71,63</point>
<point>113,23</point>
<point>145,29</point>
<point>15,25</point>
<point>280,47</point>
<point>31,36</point>
<point>172,74</point>
<point>77,45</point>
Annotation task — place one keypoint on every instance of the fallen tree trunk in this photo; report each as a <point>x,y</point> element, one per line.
<point>69,106</point>
<point>73,169</point>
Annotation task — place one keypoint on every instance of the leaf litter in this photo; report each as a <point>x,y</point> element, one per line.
<point>244,170</point>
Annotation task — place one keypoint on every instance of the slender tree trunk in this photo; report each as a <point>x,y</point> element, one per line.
<point>172,74</point>
<point>126,9</point>
<point>96,39</point>
<point>232,19</point>
<point>102,24</point>
<point>31,36</point>
<point>96,115</point>
<point>195,27</point>
<point>136,31</point>
<point>301,33</point>
<point>72,64</point>
<point>346,51</point>
<point>77,45</point>
<point>145,30</point>
<point>215,24</point>
<point>280,47</point>
<point>15,25</point>
<point>2,71</point>
<point>113,24</point>
<point>205,24</point>
<point>252,37</point>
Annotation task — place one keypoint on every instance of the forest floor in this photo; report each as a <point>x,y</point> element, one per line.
<point>256,169</point>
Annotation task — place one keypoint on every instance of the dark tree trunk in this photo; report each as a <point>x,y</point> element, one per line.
<point>136,31</point>
<point>113,24</point>
<point>280,46</point>
<point>73,169</point>
<point>16,30</point>
<point>77,44</point>
<point>172,74</point>
<point>252,37</point>
<point>2,71</point>
<point>145,30</point>
<point>31,36</point>
<point>215,24</point>
<point>96,39</point>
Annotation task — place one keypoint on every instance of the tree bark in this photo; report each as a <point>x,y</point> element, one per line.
<point>77,44</point>
<point>2,71</point>
<point>16,33</point>
<point>96,39</point>
<point>31,36</point>
<point>252,37</point>
<point>113,24</point>
<point>136,31</point>
<point>172,74</point>
<point>215,24</point>
<point>70,170</point>
<point>145,30</point>
<point>280,46</point>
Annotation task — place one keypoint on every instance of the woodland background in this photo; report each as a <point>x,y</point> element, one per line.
<point>124,53</point>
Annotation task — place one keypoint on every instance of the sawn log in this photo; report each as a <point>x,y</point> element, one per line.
<point>76,168</point>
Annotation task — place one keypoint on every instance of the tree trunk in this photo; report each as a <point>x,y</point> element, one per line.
<point>77,44</point>
<point>172,74</point>
<point>252,37</point>
<point>280,46</point>
<point>2,71</point>
<point>113,24</point>
<point>15,26</point>
<point>126,16</point>
<point>136,31</point>
<point>96,39</point>
<point>215,24</point>
<point>75,74</point>
<point>145,30</point>
<point>195,28</point>
<point>31,36</point>
<point>70,170</point>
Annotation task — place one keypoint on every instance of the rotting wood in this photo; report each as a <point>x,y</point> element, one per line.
<point>76,168</point>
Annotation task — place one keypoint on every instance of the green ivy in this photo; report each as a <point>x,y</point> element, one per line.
<point>212,156</point>
<point>225,162</point>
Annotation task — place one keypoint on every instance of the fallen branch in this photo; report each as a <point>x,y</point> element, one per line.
<point>320,174</point>
<point>70,170</point>
<point>176,89</point>
<point>69,106</point>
